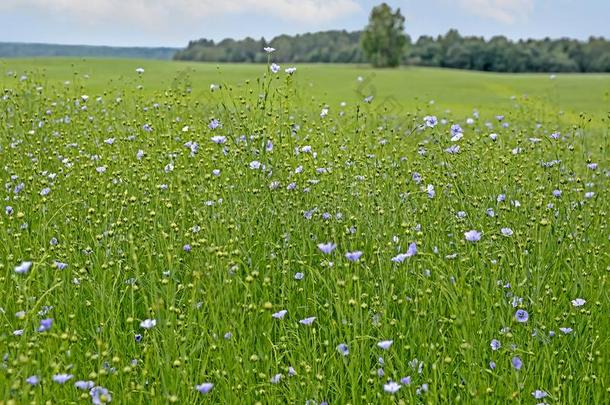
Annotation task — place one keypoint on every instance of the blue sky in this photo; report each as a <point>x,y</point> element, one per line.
<point>175,22</point>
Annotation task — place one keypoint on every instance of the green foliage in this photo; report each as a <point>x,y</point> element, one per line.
<point>450,50</point>
<point>138,224</point>
<point>384,39</point>
<point>321,47</point>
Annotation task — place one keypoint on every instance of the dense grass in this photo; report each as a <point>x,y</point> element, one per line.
<point>132,205</point>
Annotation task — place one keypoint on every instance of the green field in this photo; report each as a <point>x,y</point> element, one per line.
<point>458,91</point>
<point>263,243</point>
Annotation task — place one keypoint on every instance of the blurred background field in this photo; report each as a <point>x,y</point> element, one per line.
<point>566,95</point>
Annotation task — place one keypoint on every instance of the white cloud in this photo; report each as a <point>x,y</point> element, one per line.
<point>503,11</point>
<point>148,13</point>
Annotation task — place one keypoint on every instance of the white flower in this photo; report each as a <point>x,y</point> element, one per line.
<point>457,137</point>
<point>391,387</point>
<point>148,323</point>
<point>385,344</point>
<point>578,302</point>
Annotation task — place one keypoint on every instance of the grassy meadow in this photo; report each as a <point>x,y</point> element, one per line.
<point>194,233</point>
<point>567,95</point>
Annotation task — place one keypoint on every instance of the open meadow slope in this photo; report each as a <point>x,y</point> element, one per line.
<point>458,91</point>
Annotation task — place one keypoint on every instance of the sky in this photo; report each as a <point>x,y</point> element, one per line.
<point>175,22</point>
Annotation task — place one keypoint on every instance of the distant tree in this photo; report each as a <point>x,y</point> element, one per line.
<point>426,52</point>
<point>384,39</point>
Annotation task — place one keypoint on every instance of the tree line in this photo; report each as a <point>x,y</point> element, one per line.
<point>24,50</point>
<point>452,50</point>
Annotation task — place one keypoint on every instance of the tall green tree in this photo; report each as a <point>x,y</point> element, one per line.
<point>384,39</point>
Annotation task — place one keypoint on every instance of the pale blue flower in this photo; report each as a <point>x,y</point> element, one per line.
<point>353,256</point>
<point>517,363</point>
<point>539,394</point>
<point>411,251</point>
<point>327,248</point>
<point>204,388</point>
<point>430,121</point>
<point>61,378</point>
<point>343,349</point>
<point>218,139</point>
<point>472,236</point>
<point>456,129</point>
<point>45,325</point>
<point>33,380</point>
<point>100,395</point>
<point>578,302</point>
<point>214,124</point>
<point>453,149</point>
<point>60,265</point>
<point>84,385</point>
<point>23,268</point>
<point>391,387</point>
<point>307,321</point>
<point>507,232</point>
<point>521,315</point>
<point>148,323</point>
